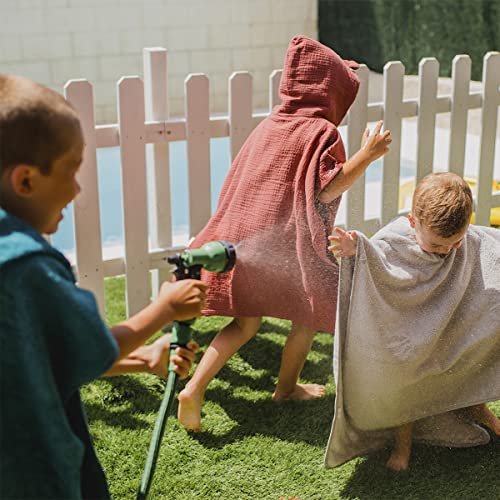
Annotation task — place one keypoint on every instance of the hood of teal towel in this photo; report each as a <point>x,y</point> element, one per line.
<point>18,239</point>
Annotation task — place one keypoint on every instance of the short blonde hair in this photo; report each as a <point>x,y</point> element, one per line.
<point>443,203</point>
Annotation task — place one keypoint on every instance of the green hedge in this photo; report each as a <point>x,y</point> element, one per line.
<point>377,31</point>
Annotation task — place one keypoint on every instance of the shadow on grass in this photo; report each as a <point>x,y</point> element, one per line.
<point>263,353</point>
<point>305,422</point>
<point>128,398</point>
<point>435,472</point>
<point>116,418</point>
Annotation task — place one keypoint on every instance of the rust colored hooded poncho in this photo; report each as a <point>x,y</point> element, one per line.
<point>268,205</point>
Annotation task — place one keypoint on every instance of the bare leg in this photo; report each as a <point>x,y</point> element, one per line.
<point>297,347</point>
<point>483,415</point>
<point>400,455</point>
<point>223,346</point>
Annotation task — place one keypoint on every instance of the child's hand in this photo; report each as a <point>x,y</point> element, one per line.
<point>156,357</point>
<point>344,244</point>
<point>377,144</point>
<point>184,357</point>
<point>185,298</point>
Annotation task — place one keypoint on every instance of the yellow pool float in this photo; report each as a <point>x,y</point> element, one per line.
<point>406,192</point>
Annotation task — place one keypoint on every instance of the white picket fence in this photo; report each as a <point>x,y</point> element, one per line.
<point>143,119</point>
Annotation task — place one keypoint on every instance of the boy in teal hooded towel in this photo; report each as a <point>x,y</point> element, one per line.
<point>52,338</point>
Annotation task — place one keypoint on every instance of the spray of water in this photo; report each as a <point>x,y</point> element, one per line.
<point>268,244</point>
<point>268,271</point>
<point>274,256</point>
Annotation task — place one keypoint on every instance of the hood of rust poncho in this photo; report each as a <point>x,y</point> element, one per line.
<point>268,204</point>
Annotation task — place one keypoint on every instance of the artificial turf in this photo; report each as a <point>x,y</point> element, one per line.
<point>253,448</point>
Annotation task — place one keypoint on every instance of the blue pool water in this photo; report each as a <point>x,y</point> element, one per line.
<point>110,199</point>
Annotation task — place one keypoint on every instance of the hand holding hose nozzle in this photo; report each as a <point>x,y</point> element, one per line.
<point>215,256</point>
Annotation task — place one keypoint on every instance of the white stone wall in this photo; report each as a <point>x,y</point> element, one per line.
<point>52,41</point>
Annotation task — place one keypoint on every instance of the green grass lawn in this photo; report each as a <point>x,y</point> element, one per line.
<point>252,448</point>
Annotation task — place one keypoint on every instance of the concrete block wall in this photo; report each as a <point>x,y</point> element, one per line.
<point>52,41</point>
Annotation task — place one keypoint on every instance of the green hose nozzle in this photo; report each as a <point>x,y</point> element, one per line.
<point>214,256</point>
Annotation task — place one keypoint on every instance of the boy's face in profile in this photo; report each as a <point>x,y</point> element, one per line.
<point>57,189</point>
<point>39,198</point>
<point>431,242</point>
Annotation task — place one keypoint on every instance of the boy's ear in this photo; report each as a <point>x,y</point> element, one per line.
<point>23,179</point>
<point>412,220</point>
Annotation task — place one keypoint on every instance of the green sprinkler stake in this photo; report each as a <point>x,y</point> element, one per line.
<point>216,257</point>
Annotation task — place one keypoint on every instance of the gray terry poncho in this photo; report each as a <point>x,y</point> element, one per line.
<point>418,336</point>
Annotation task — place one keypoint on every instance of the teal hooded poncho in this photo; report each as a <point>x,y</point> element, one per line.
<point>52,342</point>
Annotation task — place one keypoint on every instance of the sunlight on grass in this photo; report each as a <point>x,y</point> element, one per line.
<point>217,422</point>
<point>250,395</point>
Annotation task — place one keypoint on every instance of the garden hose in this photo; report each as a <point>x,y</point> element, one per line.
<point>215,256</point>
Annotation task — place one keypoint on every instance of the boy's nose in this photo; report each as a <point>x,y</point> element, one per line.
<point>449,248</point>
<point>444,250</point>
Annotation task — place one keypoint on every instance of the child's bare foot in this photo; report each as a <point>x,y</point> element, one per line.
<point>398,462</point>
<point>494,425</point>
<point>189,412</point>
<point>400,455</point>
<point>301,392</point>
<point>483,415</point>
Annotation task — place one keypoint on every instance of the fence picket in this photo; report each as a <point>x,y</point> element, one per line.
<point>158,159</point>
<point>428,72</point>
<point>198,151</point>
<point>393,99</point>
<point>240,110</point>
<point>357,119</point>
<point>274,88</point>
<point>461,72</point>
<point>131,117</point>
<point>88,242</point>
<point>491,100</point>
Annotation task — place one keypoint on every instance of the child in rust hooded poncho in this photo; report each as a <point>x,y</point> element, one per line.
<point>278,204</point>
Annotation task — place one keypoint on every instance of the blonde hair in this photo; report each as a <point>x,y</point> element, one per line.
<point>443,203</point>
